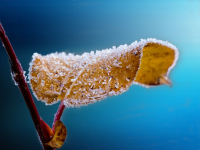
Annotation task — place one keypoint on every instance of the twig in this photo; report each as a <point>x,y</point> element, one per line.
<point>58,114</point>
<point>19,77</point>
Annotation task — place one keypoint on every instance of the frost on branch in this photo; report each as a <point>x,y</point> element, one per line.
<point>81,80</point>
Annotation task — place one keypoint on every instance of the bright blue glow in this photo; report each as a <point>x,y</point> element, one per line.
<point>141,119</point>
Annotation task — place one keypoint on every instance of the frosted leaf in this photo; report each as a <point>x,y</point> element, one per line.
<point>81,80</point>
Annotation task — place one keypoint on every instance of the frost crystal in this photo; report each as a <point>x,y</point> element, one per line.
<point>81,80</point>
<point>14,75</point>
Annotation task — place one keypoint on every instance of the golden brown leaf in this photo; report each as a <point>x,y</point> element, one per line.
<point>81,80</point>
<point>60,134</point>
<point>155,63</point>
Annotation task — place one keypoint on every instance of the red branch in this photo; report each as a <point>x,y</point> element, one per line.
<point>58,114</point>
<point>19,77</point>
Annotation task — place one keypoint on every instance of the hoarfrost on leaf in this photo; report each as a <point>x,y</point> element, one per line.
<point>84,79</point>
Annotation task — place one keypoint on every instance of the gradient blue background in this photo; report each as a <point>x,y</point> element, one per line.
<point>140,119</point>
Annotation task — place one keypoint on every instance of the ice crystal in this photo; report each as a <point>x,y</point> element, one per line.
<point>81,80</point>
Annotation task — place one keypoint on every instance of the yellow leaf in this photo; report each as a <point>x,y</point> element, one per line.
<point>155,63</point>
<point>81,80</point>
<point>60,134</point>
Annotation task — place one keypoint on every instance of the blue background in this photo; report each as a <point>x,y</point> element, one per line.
<point>141,119</point>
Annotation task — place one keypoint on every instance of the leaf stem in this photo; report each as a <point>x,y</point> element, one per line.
<point>19,77</point>
<point>58,114</point>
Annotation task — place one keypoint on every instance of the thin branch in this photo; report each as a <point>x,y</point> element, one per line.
<point>58,114</point>
<point>19,77</point>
